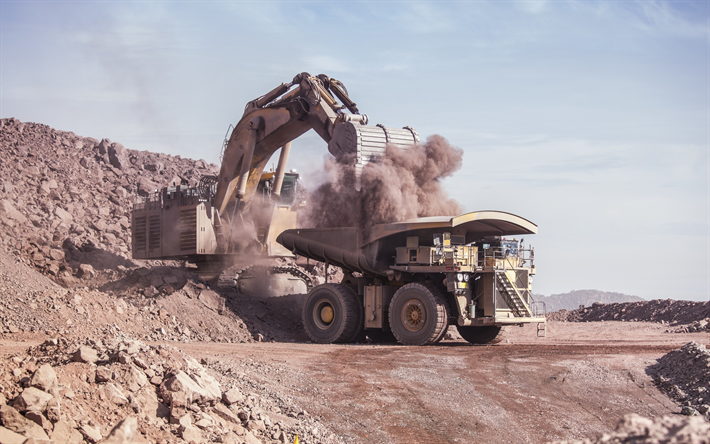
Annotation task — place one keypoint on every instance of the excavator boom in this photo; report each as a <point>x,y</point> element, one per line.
<point>271,122</point>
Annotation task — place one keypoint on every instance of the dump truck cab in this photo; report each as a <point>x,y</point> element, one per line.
<point>472,271</point>
<point>415,278</point>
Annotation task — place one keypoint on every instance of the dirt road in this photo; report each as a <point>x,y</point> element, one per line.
<point>576,383</point>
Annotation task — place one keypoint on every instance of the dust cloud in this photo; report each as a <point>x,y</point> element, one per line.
<point>404,184</point>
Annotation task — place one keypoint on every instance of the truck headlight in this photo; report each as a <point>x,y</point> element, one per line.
<point>466,277</point>
<point>459,277</point>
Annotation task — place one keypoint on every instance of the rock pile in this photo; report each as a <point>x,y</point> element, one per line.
<point>61,192</point>
<point>684,375</point>
<point>696,327</point>
<point>75,391</point>
<point>666,430</point>
<point>28,299</point>
<point>157,304</point>
<point>665,311</point>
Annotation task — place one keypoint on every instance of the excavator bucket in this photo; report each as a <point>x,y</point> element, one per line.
<point>362,144</point>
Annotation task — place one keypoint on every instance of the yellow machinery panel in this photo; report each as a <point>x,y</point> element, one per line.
<point>155,235</point>
<point>282,219</point>
<point>377,301</point>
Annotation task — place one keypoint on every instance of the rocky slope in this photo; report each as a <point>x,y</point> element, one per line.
<point>65,205</point>
<point>65,200</point>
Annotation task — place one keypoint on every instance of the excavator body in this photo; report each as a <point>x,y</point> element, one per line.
<point>235,217</point>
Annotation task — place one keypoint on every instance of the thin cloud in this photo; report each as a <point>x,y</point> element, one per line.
<point>685,19</point>
<point>326,64</point>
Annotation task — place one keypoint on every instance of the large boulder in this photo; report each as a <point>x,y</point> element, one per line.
<point>33,399</point>
<point>14,421</point>
<point>131,377</point>
<point>7,436</point>
<point>146,186</point>
<point>212,300</point>
<point>145,403</point>
<point>85,354</point>
<point>232,396</point>
<point>201,389</point>
<point>118,156</point>
<point>114,394</point>
<point>191,434</point>
<point>123,433</point>
<point>85,271</point>
<point>64,433</point>
<point>92,434</point>
<point>7,210</point>
<point>44,378</point>
<point>64,215</point>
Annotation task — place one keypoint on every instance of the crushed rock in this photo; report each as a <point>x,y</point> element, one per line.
<point>680,316</point>
<point>136,392</point>
<point>665,430</point>
<point>684,375</point>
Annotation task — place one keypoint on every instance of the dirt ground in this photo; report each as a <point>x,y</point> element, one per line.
<point>575,383</point>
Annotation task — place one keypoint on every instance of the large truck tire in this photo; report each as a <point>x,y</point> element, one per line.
<point>489,334</point>
<point>332,313</point>
<point>359,334</point>
<point>418,314</point>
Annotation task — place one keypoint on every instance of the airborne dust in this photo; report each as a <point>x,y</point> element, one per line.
<point>404,184</point>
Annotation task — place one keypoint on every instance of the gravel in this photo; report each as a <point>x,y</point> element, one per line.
<point>684,375</point>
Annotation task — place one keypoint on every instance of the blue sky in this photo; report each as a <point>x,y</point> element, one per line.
<point>589,118</point>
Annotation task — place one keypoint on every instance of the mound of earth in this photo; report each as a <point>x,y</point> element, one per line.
<point>665,430</point>
<point>78,390</point>
<point>684,375</point>
<point>159,303</point>
<point>62,193</point>
<point>576,298</point>
<point>65,203</point>
<point>693,316</point>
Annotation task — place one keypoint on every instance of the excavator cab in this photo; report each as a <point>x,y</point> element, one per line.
<point>289,189</point>
<point>277,214</point>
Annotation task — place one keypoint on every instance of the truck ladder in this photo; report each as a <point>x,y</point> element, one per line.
<point>512,295</point>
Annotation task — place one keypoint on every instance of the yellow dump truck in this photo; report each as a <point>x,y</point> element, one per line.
<point>413,279</point>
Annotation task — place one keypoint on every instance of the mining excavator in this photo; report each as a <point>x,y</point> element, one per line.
<point>238,214</point>
<point>410,280</point>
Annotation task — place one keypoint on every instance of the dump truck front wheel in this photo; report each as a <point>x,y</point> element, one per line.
<point>418,314</point>
<point>489,334</point>
<point>332,314</point>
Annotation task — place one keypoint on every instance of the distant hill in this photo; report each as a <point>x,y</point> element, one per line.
<point>575,298</point>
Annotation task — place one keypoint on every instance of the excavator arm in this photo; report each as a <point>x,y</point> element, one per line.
<point>272,122</point>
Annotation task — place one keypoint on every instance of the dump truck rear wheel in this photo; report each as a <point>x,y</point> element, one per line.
<point>332,314</point>
<point>490,334</point>
<point>418,314</point>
